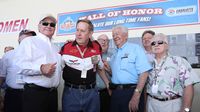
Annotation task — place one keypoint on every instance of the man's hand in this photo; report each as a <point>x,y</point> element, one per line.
<point>107,67</point>
<point>48,69</point>
<point>134,102</point>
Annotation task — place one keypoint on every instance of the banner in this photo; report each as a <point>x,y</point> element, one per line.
<point>154,14</point>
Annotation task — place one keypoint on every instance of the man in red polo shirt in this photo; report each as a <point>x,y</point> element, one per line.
<point>82,58</point>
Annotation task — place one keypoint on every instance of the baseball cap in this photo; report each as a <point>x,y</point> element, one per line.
<point>25,31</point>
<point>44,16</point>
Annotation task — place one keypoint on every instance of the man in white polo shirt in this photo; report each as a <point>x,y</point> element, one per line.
<point>40,64</point>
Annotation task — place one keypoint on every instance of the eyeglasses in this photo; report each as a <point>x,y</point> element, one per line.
<point>103,40</point>
<point>46,24</point>
<point>154,43</point>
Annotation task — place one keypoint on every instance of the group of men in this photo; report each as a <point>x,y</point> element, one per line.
<point>88,70</point>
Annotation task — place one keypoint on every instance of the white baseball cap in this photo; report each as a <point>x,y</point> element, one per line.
<point>44,16</point>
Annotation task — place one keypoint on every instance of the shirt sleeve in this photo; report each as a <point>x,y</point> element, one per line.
<point>187,74</point>
<point>142,63</point>
<point>23,59</point>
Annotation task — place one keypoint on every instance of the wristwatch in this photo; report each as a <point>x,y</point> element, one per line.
<point>137,90</point>
<point>186,109</point>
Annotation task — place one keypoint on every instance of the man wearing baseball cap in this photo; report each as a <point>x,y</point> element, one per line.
<point>9,73</point>
<point>25,33</point>
<point>39,61</point>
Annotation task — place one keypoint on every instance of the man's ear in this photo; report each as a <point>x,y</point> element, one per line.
<point>90,36</point>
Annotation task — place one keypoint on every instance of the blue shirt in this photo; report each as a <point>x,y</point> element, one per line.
<point>99,82</point>
<point>127,63</point>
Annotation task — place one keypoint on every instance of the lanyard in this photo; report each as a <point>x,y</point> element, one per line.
<point>157,71</point>
<point>82,53</point>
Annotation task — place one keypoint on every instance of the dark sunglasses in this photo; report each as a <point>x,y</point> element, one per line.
<point>46,24</point>
<point>157,43</point>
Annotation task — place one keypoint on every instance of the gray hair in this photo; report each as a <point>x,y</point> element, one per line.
<point>160,36</point>
<point>123,28</point>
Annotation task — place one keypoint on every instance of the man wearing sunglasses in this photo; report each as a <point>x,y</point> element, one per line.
<point>170,84</point>
<point>9,73</point>
<point>39,61</point>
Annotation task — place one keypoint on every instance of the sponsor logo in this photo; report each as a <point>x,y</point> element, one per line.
<point>67,24</point>
<point>181,11</point>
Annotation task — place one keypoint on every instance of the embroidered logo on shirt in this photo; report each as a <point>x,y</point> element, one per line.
<point>73,62</point>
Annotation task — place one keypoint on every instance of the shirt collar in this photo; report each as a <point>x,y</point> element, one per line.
<point>123,46</point>
<point>44,37</point>
<point>164,58</point>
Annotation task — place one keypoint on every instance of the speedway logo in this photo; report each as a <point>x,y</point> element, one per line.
<point>180,11</point>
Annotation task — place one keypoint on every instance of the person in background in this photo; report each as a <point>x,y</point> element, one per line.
<point>40,64</point>
<point>170,84</point>
<point>81,58</point>
<point>2,83</point>
<point>146,42</point>
<point>147,35</point>
<point>14,87</point>
<point>102,87</point>
<point>8,48</point>
<point>130,68</point>
<point>2,91</point>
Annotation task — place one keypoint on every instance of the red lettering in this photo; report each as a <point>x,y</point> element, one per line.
<point>15,25</point>
<point>1,26</point>
<point>23,24</point>
<point>8,26</point>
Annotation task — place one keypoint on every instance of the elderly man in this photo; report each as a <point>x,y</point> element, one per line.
<point>14,89</point>
<point>40,64</point>
<point>103,87</point>
<point>130,68</point>
<point>170,84</point>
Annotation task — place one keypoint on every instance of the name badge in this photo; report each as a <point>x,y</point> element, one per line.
<point>154,88</point>
<point>84,73</point>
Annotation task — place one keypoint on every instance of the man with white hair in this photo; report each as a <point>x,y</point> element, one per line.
<point>40,65</point>
<point>103,87</point>
<point>170,84</point>
<point>130,68</point>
